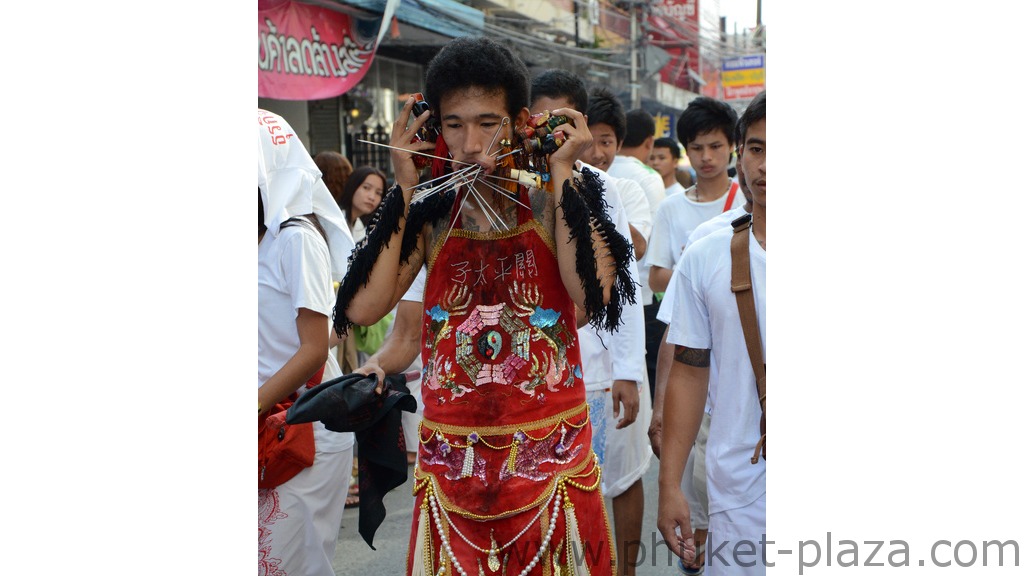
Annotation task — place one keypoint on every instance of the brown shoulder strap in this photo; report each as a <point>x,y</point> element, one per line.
<point>744,290</point>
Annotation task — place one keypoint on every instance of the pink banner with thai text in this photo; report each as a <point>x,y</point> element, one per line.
<point>309,53</point>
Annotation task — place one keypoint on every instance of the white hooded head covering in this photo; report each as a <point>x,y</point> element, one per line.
<point>290,185</point>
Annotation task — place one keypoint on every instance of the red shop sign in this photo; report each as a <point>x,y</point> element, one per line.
<point>309,52</point>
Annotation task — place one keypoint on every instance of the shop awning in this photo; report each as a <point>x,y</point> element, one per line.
<point>446,17</point>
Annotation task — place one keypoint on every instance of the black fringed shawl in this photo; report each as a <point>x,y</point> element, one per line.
<point>383,225</point>
<point>584,207</point>
<point>581,209</point>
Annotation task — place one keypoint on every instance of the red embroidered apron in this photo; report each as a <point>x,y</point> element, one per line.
<point>505,466</point>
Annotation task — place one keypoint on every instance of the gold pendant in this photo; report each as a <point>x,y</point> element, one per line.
<point>492,559</point>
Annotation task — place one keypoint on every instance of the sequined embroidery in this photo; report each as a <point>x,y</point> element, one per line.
<point>437,370</point>
<point>547,325</point>
<point>524,453</point>
<point>438,452</point>
<point>525,459</point>
<point>480,367</point>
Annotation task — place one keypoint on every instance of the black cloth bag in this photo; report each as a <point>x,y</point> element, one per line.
<point>349,403</point>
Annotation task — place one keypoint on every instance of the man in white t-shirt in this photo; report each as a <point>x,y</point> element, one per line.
<point>634,152</point>
<point>705,130</point>
<point>616,389</point>
<point>694,478</point>
<point>664,160</point>
<point>635,145</point>
<point>706,325</point>
<point>631,162</point>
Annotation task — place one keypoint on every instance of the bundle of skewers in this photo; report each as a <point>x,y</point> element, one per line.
<point>521,160</point>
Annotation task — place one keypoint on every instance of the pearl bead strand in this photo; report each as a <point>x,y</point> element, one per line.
<point>557,493</point>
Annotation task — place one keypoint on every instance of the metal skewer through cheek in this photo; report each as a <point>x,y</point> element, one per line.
<point>504,122</point>
<point>443,176</point>
<point>516,151</point>
<point>416,152</point>
<point>454,180</point>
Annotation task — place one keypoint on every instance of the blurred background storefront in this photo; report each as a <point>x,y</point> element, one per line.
<point>339,76</point>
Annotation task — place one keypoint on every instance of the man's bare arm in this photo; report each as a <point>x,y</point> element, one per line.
<point>401,346</point>
<point>388,279</point>
<point>685,394</point>
<point>696,357</point>
<point>639,242</point>
<point>658,278</point>
<point>661,374</point>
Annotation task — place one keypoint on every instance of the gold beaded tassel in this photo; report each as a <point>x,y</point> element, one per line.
<point>514,450</point>
<point>422,564</point>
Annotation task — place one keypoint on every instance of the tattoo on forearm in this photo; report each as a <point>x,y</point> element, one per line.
<point>539,203</point>
<point>432,237</point>
<point>697,357</point>
<point>416,259</point>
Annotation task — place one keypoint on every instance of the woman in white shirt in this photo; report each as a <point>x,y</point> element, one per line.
<point>304,243</point>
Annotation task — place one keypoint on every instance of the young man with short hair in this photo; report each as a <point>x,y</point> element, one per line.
<point>606,118</point>
<point>705,129</point>
<point>634,149</point>
<point>506,476</point>
<point>706,327</point>
<point>665,160</point>
<point>613,379</point>
<point>631,137</point>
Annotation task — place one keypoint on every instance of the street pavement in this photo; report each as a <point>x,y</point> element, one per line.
<point>354,557</point>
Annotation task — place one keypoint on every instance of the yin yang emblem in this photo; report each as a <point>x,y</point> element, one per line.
<point>489,345</point>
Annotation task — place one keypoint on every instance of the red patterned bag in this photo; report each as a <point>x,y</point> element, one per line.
<point>285,449</point>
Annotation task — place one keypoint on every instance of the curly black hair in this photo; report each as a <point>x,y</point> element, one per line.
<point>479,62</point>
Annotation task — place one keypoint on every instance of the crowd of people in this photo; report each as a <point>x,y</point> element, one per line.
<point>563,337</point>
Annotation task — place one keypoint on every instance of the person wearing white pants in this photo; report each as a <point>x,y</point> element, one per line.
<point>303,245</point>
<point>706,327</point>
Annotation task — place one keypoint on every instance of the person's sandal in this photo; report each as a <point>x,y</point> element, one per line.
<point>700,538</point>
<point>352,500</point>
